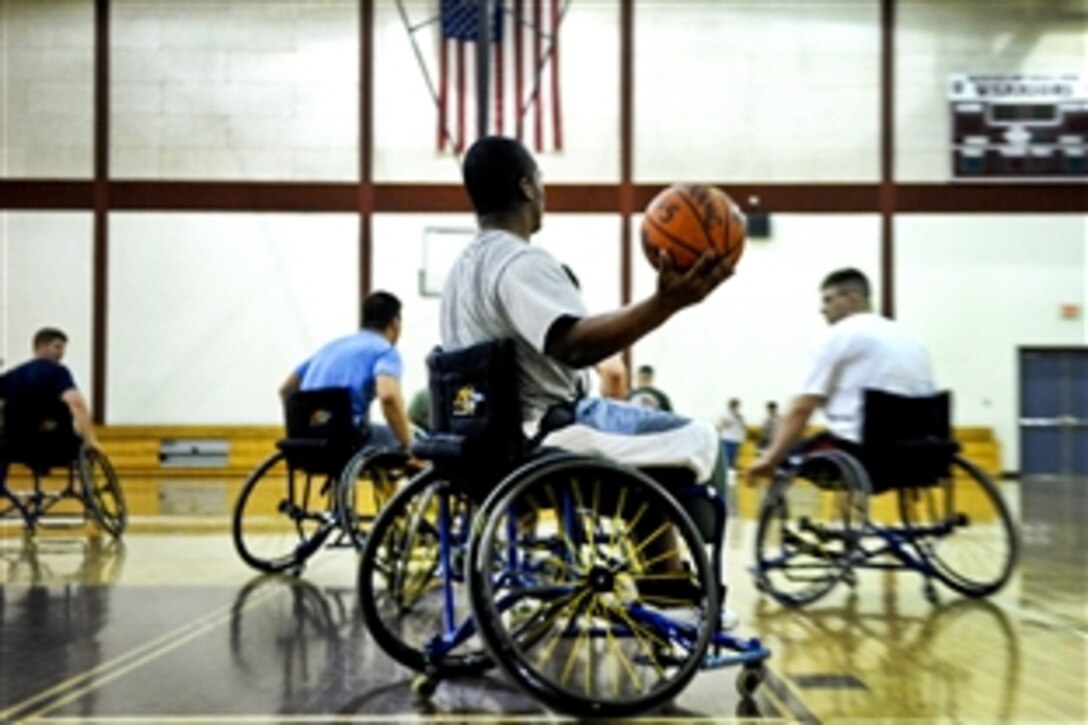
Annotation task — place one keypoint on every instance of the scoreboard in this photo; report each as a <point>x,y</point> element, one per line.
<point>1019,126</point>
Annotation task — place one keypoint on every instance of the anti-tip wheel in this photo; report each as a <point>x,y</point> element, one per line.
<point>749,679</point>
<point>424,686</point>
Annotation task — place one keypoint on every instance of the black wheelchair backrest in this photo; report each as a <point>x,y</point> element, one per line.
<point>475,410</point>
<point>321,434</point>
<point>890,417</point>
<point>38,430</point>
<point>323,414</point>
<point>907,441</point>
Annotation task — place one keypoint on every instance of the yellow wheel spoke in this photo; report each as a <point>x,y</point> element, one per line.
<point>546,654</point>
<point>571,548</point>
<point>625,661</point>
<point>617,518</point>
<point>583,635</point>
<point>640,631</point>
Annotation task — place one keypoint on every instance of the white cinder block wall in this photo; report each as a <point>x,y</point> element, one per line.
<point>207,312</point>
<point>235,90</point>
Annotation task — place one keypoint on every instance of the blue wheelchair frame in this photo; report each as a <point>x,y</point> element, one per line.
<point>744,651</point>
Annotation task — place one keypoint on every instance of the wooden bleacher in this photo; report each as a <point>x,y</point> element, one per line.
<point>135,451</point>
<point>152,488</point>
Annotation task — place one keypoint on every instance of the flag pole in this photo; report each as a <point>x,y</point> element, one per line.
<point>483,68</point>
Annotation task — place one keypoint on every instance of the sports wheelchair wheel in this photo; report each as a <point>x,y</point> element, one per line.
<point>368,482</point>
<point>283,515</point>
<point>412,590</point>
<point>102,491</point>
<point>962,528</point>
<point>810,524</point>
<point>591,587</point>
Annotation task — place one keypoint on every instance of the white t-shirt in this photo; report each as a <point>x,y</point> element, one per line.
<point>731,427</point>
<point>501,286</point>
<point>862,351</point>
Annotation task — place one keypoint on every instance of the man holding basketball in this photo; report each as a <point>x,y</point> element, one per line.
<point>862,350</point>
<point>502,287</point>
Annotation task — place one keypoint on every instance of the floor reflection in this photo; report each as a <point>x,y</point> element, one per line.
<point>53,608</point>
<point>309,643</point>
<point>876,657</point>
<point>1054,552</point>
<point>173,626</point>
<point>91,560</point>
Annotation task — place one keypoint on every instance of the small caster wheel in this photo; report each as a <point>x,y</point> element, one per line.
<point>424,686</point>
<point>931,594</point>
<point>749,679</point>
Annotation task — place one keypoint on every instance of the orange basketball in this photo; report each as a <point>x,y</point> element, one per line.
<point>686,220</point>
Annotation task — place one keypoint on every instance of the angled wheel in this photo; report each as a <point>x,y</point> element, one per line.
<point>810,524</point>
<point>412,589</point>
<point>962,528</point>
<point>282,515</point>
<point>102,491</point>
<point>591,587</point>
<point>368,482</point>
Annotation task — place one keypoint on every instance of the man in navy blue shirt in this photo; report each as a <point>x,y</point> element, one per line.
<point>369,365</point>
<point>41,383</point>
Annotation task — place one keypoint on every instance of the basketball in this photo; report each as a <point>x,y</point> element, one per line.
<point>687,220</point>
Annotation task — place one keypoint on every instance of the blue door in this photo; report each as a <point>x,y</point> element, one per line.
<point>1054,411</point>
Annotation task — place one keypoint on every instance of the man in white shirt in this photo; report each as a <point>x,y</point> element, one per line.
<point>861,350</point>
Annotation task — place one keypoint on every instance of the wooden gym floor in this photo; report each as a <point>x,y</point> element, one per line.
<point>170,626</point>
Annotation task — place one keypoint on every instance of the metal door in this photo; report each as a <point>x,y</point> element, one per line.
<point>1054,411</point>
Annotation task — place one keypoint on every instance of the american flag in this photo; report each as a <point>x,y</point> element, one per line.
<point>528,99</point>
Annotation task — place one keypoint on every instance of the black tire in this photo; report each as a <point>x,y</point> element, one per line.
<point>809,531</point>
<point>402,585</point>
<point>562,590</point>
<point>102,491</point>
<point>282,515</point>
<point>963,530</point>
<point>367,484</point>
<point>749,679</point>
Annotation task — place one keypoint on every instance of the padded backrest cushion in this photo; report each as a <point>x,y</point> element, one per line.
<point>39,432</point>
<point>907,441</point>
<point>890,417</point>
<point>321,435</point>
<point>474,398</point>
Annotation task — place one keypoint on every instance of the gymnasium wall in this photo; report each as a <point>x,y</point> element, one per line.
<point>47,89</point>
<point>208,311</point>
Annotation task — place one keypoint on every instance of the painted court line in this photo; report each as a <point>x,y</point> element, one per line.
<point>105,672</point>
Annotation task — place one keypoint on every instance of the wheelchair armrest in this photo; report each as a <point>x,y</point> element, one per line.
<point>440,448</point>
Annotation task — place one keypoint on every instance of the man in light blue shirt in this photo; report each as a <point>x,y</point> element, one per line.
<point>369,365</point>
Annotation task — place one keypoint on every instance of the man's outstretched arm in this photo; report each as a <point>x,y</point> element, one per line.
<point>786,437</point>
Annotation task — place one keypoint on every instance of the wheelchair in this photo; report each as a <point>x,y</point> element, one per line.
<point>41,438</point>
<point>941,515</point>
<point>550,564</point>
<point>322,485</point>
